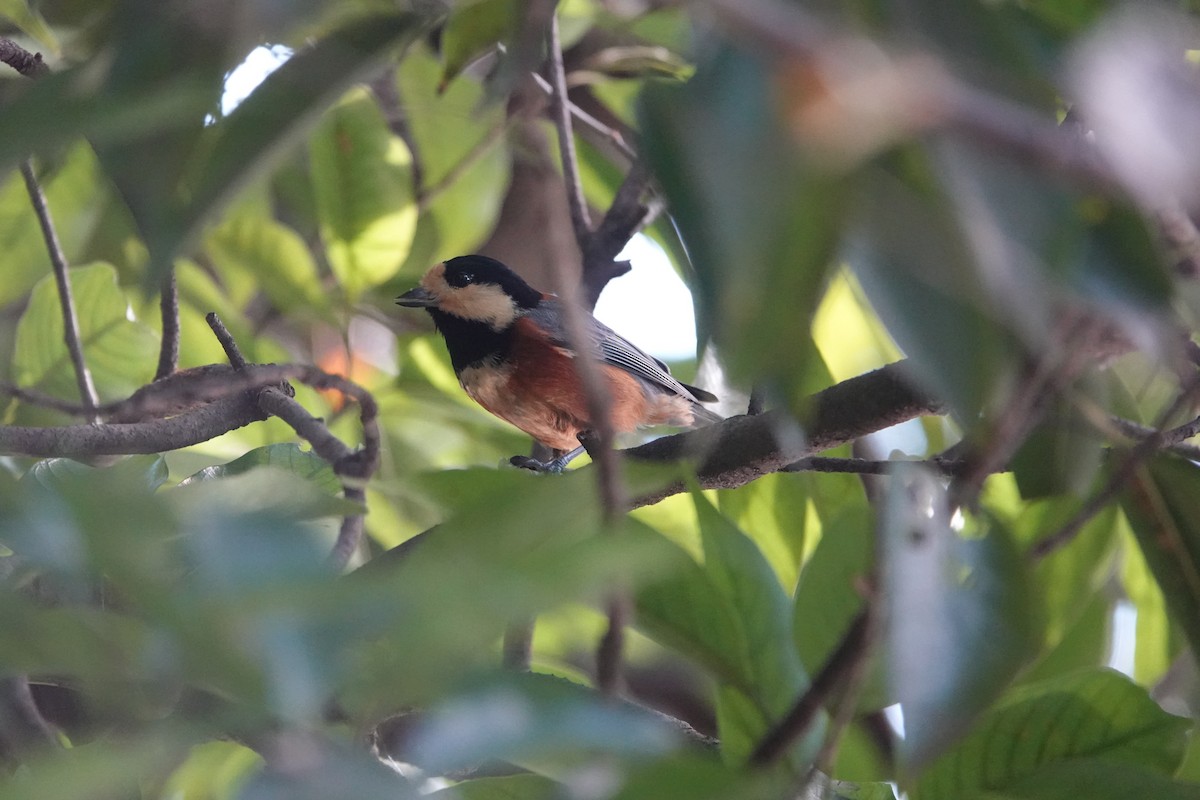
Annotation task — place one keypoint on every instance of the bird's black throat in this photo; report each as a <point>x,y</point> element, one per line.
<point>470,341</point>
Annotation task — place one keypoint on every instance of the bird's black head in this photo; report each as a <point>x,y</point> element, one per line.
<point>474,288</point>
<point>474,301</point>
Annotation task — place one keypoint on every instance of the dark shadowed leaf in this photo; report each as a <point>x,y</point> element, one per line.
<point>472,30</point>
<point>1161,506</point>
<point>761,227</point>
<point>510,787</point>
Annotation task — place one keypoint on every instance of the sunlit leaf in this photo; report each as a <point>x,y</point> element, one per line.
<point>74,192</point>
<point>30,21</point>
<point>279,260</point>
<point>120,352</point>
<point>363,186</point>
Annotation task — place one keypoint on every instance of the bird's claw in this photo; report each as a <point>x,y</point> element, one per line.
<point>552,466</point>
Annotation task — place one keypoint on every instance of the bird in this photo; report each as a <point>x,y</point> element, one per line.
<point>510,350</point>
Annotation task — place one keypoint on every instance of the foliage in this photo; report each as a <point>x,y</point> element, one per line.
<point>962,184</point>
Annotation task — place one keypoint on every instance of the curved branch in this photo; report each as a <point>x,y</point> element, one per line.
<point>740,449</point>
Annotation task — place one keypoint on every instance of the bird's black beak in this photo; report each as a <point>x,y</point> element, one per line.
<point>417,298</point>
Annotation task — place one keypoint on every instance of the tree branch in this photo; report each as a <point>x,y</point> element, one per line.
<point>560,107</point>
<point>798,721</point>
<point>740,449</point>
<point>58,260</point>
<point>28,64</point>
<point>168,353</point>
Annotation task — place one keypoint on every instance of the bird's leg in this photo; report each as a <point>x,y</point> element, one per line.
<point>556,464</point>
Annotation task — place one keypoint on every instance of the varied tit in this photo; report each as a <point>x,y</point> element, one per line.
<point>511,353</point>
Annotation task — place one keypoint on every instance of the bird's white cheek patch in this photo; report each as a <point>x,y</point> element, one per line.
<point>484,302</point>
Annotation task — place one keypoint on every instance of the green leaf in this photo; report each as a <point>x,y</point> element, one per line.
<point>509,787</point>
<point>107,767</point>
<point>1156,643</point>
<point>31,22</point>
<point>536,721</point>
<point>285,456</point>
<point>1161,508</point>
<point>916,267</point>
<point>734,616</point>
<point>74,194</point>
<point>829,595</point>
<point>1041,731</point>
<point>691,777</point>
<point>266,126</point>
<point>119,351</point>
<point>472,29</point>
<point>147,471</point>
<point>266,486</point>
<point>761,226</point>
<point>960,622</point>
<point>277,258</point>
<point>213,771</point>
<point>1099,780</point>
<point>772,510</point>
<point>363,186</point>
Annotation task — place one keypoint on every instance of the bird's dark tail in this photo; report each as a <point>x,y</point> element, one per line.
<point>702,416</point>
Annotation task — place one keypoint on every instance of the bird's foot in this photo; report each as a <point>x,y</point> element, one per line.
<point>554,465</point>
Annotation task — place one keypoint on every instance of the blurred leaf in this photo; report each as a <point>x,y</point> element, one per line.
<point>1160,505</point>
<point>691,777</point>
<point>761,227</point>
<point>212,771</point>
<point>1097,715</point>
<point>509,787</point>
<point>31,22</point>
<point>263,129</point>
<point>149,472</point>
<point>1099,780</point>
<point>771,510</point>
<point>733,616</point>
<point>830,593</point>
<point>264,483</point>
<point>916,267</point>
<point>960,622</point>
<point>472,29</point>
<point>101,769</point>
<point>286,456</point>
<point>74,192</point>
<point>330,768</point>
<point>278,259</point>
<point>119,351</point>
<point>463,178</point>
<point>363,186</point>
<point>536,721</point>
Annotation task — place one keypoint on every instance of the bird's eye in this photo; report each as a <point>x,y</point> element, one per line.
<point>461,278</point>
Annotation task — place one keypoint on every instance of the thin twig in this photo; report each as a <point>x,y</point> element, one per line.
<point>798,721</point>
<point>168,353</point>
<point>600,441</point>
<point>591,123</point>
<point>559,106</point>
<point>228,343</point>
<point>1123,473</point>
<point>58,260</point>
<point>28,64</point>
<point>353,468</point>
